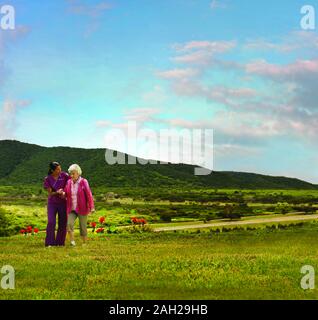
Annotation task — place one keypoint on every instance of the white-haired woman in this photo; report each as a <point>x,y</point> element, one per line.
<point>79,202</point>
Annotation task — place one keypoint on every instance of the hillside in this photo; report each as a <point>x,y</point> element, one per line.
<point>26,164</point>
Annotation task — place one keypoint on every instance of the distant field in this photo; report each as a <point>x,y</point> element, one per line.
<point>163,206</point>
<point>262,264</point>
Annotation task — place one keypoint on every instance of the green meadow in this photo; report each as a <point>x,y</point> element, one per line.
<point>258,262</point>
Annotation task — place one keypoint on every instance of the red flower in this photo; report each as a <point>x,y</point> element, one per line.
<point>100,230</point>
<point>36,230</point>
<point>22,231</point>
<point>135,220</point>
<point>93,224</point>
<point>101,219</point>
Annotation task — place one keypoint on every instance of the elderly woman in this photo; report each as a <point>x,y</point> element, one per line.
<point>79,202</point>
<point>54,183</point>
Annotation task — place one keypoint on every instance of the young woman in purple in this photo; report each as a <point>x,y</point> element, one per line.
<point>54,183</point>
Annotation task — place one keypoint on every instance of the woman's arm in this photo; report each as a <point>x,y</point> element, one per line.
<point>52,193</point>
<point>48,188</point>
<point>90,199</point>
<point>63,192</point>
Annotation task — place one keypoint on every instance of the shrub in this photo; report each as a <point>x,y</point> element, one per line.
<point>307,208</point>
<point>231,212</point>
<point>6,227</point>
<point>283,208</point>
<point>140,228</point>
<point>166,216</point>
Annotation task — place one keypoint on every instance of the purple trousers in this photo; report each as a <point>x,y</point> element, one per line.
<point>52,210</point>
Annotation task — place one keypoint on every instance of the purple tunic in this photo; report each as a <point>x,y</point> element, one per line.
<point>60,183</point>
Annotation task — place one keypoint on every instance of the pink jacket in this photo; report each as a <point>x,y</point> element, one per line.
<point>85,201</point>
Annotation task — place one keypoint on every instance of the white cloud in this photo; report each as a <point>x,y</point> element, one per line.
<point>296,40</point>
<point>8,117</point>
<point>80,7</point>
<point>287,104</point>
<point>178,73</point>
<point>10,107</point>
<point>138,115</point>
<point>92,11</point>
<point>201,52</point>
<point>217,4</point>
<point>156,96</point>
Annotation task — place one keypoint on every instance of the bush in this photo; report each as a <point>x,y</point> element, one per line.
<point>112,229</point>
<point>140,228</point>
<point>306,208</point>
<point>6,227</point>
<point>166,216</point>
<point>283,208</point>
<point>231,212</point>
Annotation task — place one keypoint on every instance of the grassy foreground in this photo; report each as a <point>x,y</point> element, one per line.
<point>261,264</point>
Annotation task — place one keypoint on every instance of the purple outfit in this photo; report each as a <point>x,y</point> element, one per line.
<point>56,204</point>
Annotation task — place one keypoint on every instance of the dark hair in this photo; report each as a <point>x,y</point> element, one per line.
<point>52,167</point>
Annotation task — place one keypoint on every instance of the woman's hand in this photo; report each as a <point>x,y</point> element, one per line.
<point>60,192</point>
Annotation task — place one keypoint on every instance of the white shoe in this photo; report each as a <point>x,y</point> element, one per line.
<point>73,243</point>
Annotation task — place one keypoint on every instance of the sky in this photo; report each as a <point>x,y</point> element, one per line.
<point>73,70</point>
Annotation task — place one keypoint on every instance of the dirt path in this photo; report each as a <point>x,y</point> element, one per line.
<point>239,223</point>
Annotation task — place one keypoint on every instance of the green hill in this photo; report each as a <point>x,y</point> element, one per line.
<point>26,164</point>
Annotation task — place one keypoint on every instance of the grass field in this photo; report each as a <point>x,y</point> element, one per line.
<point>261,264</point>
<point>209,263</point>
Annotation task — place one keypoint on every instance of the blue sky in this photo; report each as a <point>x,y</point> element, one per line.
<point>74,69</point>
